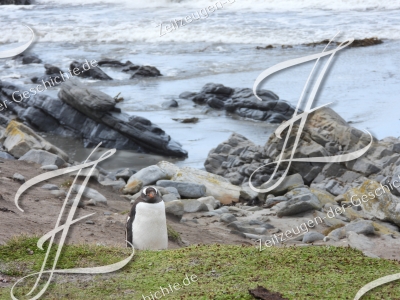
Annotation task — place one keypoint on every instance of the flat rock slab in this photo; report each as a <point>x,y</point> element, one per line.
<point>185,189</point>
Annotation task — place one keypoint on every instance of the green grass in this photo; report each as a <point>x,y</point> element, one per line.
<point>223,272</point>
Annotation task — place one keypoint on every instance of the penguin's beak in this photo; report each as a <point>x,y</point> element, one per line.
<point>151,195</point>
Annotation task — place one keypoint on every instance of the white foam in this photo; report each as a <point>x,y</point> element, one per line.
<point>278,5</point>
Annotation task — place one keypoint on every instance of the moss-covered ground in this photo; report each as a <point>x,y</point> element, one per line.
<point>223,272</point>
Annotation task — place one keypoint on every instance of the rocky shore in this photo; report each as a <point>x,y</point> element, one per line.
<point>354,203</point>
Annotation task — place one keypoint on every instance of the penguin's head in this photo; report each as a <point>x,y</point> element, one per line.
<point>150,194</point>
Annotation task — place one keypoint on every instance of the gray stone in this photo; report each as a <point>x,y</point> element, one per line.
<point>49,167</point>
<point>311,237</point>
<point>248,194</point>
<point>289,183</point>
<point>217,186</point>
<point>5,155</point>
<point>18,177</point>
<point>51,187</point>
<point>209,201</point>
<point>175,208</point>
<point>169,197</point>
<point>148,175</point>
<point>298,204</point>
<point>185,189</point>
<point>90,193</point>
<point>227,218</point>
<point>337,234</point>
<point>360,242</point>
<point>193,205</point>
<point>174,191</point>
<point>90,222</point>
<point>360,227</point>
<point>168,168</point>
<point>43,158</point>
<point>125,174</point>
<point>271,201</point>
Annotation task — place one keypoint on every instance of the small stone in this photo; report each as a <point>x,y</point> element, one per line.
<point>18,177</point>
<point>107,213</point>
<point>311,237</point>
<point>49,167</point>
<point>90,222</point>
<point>50,187</point>
<point>228,218</point>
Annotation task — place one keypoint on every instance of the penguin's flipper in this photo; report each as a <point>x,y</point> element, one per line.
<point>128,232</point>
<point>129,221</point>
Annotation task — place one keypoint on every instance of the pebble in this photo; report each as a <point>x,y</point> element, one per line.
<point>19,177</point>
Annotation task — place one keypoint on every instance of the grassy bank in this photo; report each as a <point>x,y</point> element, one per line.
<point>223,272</point>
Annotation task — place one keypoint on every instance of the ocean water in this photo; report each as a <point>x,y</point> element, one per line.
<point>219,47</point>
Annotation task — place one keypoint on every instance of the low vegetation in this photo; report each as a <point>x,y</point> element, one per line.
<point>223,272</point>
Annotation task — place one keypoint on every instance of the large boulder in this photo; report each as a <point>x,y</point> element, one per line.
<point>18,139</point>
<point>148,175</point>
<point>218,187</point>
<point>100,108</point>
<point>43,158</point>
<point>86,113</point>
<point>375,202</point>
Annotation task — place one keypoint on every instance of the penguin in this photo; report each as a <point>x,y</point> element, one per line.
<point>146,225</point>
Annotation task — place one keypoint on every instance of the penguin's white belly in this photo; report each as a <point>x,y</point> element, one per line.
<point>149,229</point>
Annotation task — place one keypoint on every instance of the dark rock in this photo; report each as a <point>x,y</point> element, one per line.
<point>169,104</point>
<point>15,2</point>
<point>97,105</point>
<point>242,102</point>
<point>30,59</point>
<point>88,114</point>
<point>187,120</point>
<point>88,71</point>
<point>141,71</point>
<point>50,69</point>
<point>113,63</point>
<point>47,81</point>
